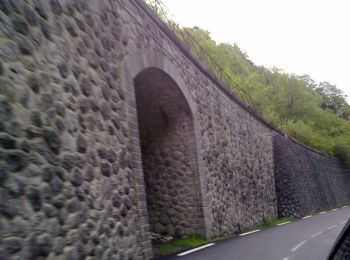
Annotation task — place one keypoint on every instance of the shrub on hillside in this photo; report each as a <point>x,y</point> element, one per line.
<point>342,151</point>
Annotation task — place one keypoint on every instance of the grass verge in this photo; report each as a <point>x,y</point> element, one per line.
<point>270,223</point>
<point>273,222</point>
<point>177,244</point>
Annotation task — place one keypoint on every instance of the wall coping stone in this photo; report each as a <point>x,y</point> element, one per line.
<point>181,46</point>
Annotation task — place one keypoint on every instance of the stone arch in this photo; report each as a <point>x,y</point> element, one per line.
<point>134,67</point>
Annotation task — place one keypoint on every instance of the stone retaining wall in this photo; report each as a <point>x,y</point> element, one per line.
<point>168,156</point>
<point>76,178</point>
<point>307,181</point>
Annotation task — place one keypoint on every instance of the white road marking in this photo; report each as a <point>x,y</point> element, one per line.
<point>195,249</point>
<point>285,258</point>
<point>322,212</point>
<point>315,235</point>
<point>343,222</point>
<point>249,232</point>
<point>299,245</point>
<point>332,227</point>
<point>307,216</point>
<point>280,224</point>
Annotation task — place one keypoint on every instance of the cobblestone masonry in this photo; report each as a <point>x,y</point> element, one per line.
<point>308,181</point>
<point>72,183</point>
<point>167,145</point>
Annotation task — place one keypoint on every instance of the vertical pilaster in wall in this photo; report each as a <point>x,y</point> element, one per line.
<point>155,61</point>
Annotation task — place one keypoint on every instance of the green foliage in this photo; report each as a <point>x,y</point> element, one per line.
<point>275,221</point>
<point>270,223</point>
<point>178,244</point>
<point>315,114</point>
<point>333,99</point>
<point>342,151</point>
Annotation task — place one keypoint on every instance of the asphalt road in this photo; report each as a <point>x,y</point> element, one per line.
<point>310,238</point>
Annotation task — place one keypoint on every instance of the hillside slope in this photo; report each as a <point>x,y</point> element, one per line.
<point>316,114</point>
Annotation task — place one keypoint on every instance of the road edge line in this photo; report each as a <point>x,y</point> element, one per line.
<point>247,233</point>
<point>280,224</point>
<point>195,249</point>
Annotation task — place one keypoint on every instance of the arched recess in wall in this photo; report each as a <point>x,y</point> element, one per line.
<point>168,155</point>
<point>147,72</point>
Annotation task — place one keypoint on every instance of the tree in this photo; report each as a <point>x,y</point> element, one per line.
<point>312,113</point>
<point>334,99</point>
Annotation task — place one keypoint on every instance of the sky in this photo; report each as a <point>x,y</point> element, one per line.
<point>299,36</point>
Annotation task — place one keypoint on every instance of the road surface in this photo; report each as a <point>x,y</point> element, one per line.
<point>310,238</point>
